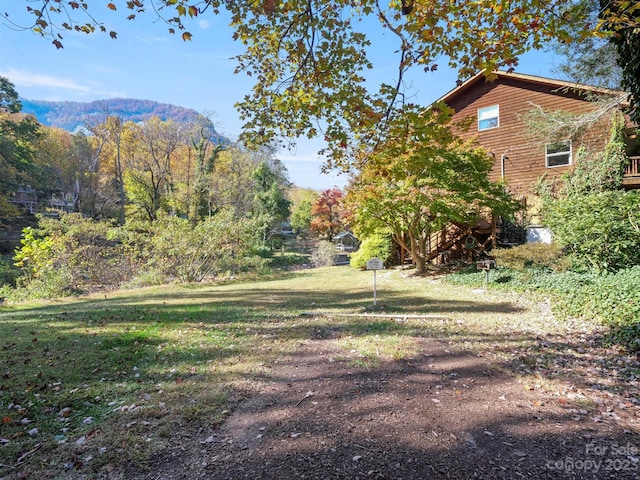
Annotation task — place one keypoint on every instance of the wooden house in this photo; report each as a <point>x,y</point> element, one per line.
<point>498,108</point>
<point>495,112</point>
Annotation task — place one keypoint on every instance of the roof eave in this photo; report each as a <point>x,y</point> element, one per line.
<point>530,78</point>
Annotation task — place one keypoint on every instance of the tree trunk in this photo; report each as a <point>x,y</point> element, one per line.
<point>421,264</point>
<point>120,180</point>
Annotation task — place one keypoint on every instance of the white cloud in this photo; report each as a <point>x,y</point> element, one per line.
<point>204,24</point>
<point>300,159</point>
<point>29,79</point>
<point>153,39</point>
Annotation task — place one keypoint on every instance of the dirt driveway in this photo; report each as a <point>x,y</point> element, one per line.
<point>444,413</point>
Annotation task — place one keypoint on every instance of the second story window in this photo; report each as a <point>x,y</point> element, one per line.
<point>558,153</point>
<point>488,118</point>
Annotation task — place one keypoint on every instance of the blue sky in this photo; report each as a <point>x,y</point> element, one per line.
<point>146,62</point>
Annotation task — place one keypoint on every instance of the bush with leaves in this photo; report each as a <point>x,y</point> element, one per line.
<point>531,255</point>
<point>596,222</point>
<point>70,254</point>
<point>190,253</point>
<point>325,254</point>
<point>376,245</point>
<point>600,171</point>
<point>8,272</point>
<point>600,231</point>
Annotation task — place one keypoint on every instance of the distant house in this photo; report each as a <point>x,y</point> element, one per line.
<point>346,242</point>
<point>26,199</point>
<point>285,229</point>
<point>61,202</point>
<point>497,109</point>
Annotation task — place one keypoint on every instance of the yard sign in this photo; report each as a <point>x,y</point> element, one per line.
<point>374,264</point>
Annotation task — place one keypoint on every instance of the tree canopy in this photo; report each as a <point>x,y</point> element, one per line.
<point>424,178</point>
<point>9,99</point>
<point>310,58</point>
<point>18,135</point>
<point>621,19</point>
<point>328,214</point>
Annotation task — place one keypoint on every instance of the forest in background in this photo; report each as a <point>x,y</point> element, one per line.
<point>122,202</point>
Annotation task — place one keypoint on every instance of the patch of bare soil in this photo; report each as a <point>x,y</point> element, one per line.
<point>443,414</point>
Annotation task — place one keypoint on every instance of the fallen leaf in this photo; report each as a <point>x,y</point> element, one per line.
<point>65,412</point>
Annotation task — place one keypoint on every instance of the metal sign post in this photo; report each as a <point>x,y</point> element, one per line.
<point>487,266</point>
<point>375,264</point>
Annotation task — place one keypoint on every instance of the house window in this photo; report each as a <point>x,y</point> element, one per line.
<point>558,154</point>
<point>488,118</point>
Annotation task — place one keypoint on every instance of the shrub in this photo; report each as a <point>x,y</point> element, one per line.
<point>376,245</point>
<point>261,251</point>
<point>531,255</point>
<point>65,255</point>
<point>288,261</point>
<point>191,253</point>
<point>324,254</point>
<point>147,277</point>
<point>599,231</point>
<point>8,272</point>
<point>50,284</point>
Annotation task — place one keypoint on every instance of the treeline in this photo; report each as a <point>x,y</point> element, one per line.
<point>135,203</point>
<point>124,170</point>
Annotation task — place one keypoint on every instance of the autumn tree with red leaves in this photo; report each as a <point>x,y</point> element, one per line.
<point>327,214</point>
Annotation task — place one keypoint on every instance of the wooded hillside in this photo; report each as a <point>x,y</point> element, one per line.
<point>71,115</point>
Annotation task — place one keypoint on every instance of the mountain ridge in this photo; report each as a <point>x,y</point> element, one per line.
<point>72,115</point>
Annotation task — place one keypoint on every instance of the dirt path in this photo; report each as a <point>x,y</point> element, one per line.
<point>443,414</point>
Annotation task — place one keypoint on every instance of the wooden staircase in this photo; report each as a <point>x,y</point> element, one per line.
<point>457,241</point>
<point>442,241</point>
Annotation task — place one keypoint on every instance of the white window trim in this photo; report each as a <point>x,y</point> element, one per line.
<point>489,109</point>
<point>558,154</point>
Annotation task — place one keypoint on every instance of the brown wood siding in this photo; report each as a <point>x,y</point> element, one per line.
<point>525,162</point>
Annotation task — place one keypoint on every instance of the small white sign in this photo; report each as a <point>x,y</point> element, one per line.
<point>375,264</point>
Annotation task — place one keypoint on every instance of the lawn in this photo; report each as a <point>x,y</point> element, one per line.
<point>121,371</point>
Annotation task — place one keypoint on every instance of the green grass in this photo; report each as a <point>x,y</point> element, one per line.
<point>125,369</point>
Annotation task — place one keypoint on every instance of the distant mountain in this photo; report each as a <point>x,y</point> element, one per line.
<point>73,115</point>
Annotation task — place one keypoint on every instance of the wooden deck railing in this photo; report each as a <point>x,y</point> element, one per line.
<point>633,167</point>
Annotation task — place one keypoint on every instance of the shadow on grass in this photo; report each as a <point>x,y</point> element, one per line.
<point>442,415</point>
<point>88,353</point>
